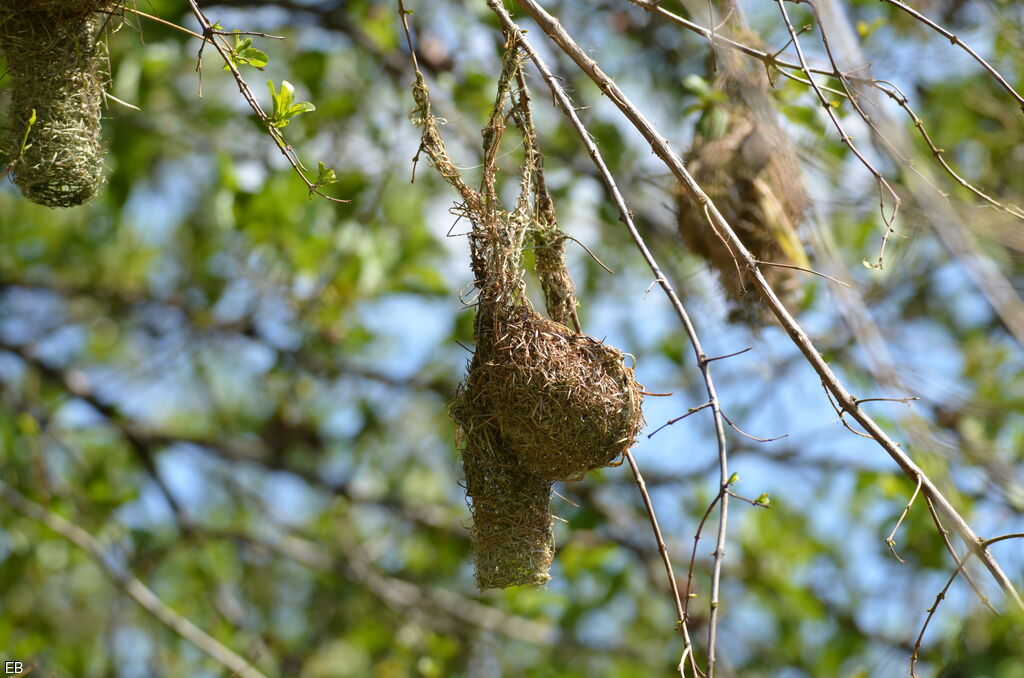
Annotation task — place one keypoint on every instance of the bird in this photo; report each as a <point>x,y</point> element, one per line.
<point>744,161</point>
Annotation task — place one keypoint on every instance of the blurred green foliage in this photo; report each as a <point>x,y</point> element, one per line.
<point>241,391</point>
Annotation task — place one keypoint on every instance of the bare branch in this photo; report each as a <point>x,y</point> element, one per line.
<point>805,270</point>
<point>944,533</point>
<point>670,422</point>
<point>135,589</point>
<point>927,620</point>
<point>1003,537</point>
<point>883,185</point>
<point>800,338</point>
<point>890,540</point>
<point>626,216</point>
<point>959,43</point>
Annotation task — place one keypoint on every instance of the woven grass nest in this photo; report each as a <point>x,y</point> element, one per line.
<point>750,171</point>
<point>563,403</point>
<point>512,539</point>
<point>541,403</point>
<point>55,59</point>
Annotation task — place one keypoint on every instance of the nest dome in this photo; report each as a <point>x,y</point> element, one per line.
<point>564,403</point>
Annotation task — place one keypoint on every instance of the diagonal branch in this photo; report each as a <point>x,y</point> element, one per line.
<point>210,35</point>
<point>124,580</point>
<point>883,185</point>
<point>703,362</point>
<point>846,400</point>
<point>955,40</point>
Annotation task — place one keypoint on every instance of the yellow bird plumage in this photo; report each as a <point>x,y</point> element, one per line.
<point>746,164</point>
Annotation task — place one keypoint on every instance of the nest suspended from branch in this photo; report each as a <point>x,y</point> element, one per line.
<point>55,59</point>
<point>747,166</point>
<point>540,402</point>
<point>564,403</point>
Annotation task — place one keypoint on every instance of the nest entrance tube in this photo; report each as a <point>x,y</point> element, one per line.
<point>512,539</point>
<point>55,60</point>
<point>540,402</point>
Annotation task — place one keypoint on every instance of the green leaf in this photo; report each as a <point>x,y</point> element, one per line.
<point>301,107</point>
<point>244,54</point>
<point>325,176</point>
<point>284,108</point>
<point>28,130</point>
<point>254,57</point>
<point>696,85</point>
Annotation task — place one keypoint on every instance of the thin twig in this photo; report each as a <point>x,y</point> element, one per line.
<point>897,95</point>
<point>906,401</point>
<point>961,44</point>
<point>747,435</point>
<point>156,19</point>
<point>1003,537</point>
<point>728,355</point>
<point>890,540</point>
<point>662,548</point>
<point>944,533</point>
<point>625,215</point>
<point>927,620</point>
<point>670,422</point>
<point>805,270</point>
<point>135,589</point>
<point>756,503</point>
<point>693,553</point>
<point>799,336</point>
<point>209,36</point>
<point>592,255</point>
<point>883,184</point>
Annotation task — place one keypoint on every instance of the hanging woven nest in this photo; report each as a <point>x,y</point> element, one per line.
<point>55,59</point>
<point>540,402</point>
<point>744,162</point>
<point>563,403</point>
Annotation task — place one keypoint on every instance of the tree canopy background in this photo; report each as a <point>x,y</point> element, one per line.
<point>241,391</point>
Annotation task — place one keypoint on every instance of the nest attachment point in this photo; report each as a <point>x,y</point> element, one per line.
<point>55,59</point>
